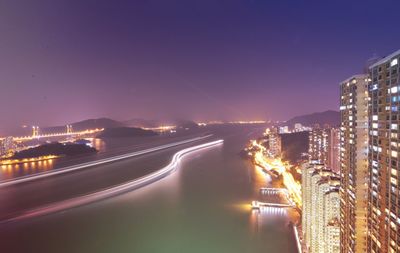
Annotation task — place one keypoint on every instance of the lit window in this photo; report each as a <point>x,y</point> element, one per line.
<point>375,117</point>
<point>393,89</point>
<point>393,62</point>
<point>394,153</point>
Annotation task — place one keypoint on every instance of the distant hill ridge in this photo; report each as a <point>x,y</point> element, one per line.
<point>110,123</point>
<point>125,132</point>
<point>329,117</point>
<point>87,124</point>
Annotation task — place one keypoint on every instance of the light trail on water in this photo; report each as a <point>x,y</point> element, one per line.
<point>94,163</point>
<point>116,190</point>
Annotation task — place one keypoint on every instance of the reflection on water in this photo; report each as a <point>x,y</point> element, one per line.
<point>98,144</point>
<point>26,168</point>
<point>202,207</point>
<point>267,189</point>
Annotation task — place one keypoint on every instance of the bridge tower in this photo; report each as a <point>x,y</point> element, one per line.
<point>35,131</point>
<point>69,129</point>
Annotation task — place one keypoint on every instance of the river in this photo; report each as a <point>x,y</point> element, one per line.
<point>202,207</point>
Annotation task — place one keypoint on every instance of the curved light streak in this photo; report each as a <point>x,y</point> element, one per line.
<point>298,242</point>
<point>116,190</point>
<point>94,163</point>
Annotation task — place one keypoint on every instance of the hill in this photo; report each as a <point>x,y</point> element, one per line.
<point>330,117</point>
<point>86,124</point>
<point>125,132</point>
<point>294,145</point>
<point>142,123</point>
<point>68,149</point>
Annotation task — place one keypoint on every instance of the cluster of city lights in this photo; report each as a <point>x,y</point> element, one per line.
<point>240,122</point>
<point>26,160</point>
<point>276,165</point>
<point>161,128</point>
<point>50,135</point>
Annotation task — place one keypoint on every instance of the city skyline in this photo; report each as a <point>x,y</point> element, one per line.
<point>199,126</point>
<point>223,61</point>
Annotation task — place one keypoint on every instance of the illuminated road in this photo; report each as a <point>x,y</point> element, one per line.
<point>276,165</point>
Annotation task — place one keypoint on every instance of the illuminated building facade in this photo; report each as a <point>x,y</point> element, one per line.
<point>384,180</point>
<point>324,146</point>
<point>284,130</point>
<point>320,208</point>
<point>300,128</point>
<point>318,144</point>
<point>7,146</point>
<point>2,150</point>
<point>306,172</point>
<point>332,235</point>
<point>274,140</point>
<point>353,164</point>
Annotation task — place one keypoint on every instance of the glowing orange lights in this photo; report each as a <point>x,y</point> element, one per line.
<point>68,133</point>
<point>27,160</point>
<point>276,165</point>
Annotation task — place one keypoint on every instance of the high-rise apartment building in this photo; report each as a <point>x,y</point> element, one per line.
<point>306,193</point>
<point>274,140</point>
<point>318,144</point>
<point>353,164</point>
<point>320,208</point>
<point>284,130</point>
<point>7,146</point>
<point>324,145</point>
<point>331,220</point>
<point>2,149</point>
<point>384,176</point>
<point>334,150</point>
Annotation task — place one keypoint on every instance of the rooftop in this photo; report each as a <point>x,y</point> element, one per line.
<point>385,59</point>
<point>359,76</point>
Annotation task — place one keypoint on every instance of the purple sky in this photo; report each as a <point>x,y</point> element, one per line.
<point>64,61</point>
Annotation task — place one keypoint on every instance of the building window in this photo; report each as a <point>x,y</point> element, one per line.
<point>393,62</point>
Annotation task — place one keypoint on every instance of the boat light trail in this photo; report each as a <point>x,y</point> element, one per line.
<point>94,163</point>
<point>116,190</point>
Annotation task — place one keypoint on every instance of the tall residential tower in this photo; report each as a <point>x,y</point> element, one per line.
<point>384,180</point>
<point>353,164</point>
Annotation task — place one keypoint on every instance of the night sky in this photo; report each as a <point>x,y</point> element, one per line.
<point>64,61</point>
